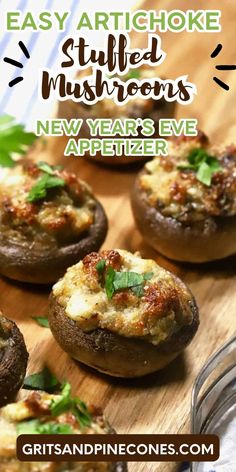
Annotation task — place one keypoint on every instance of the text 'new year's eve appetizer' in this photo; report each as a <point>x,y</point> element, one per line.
<point>115,306</point>
<point>13,359</point>
<point>42,413</point>
<point>185,204</point>
<point>107,109</point>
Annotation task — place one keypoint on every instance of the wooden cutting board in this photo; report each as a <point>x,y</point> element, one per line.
<point>160,403</point>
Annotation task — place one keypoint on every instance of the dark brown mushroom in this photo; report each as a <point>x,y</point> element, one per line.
<point>29,263</point>
<point>107,350</point>
<point>13,359</point>
<point>203,241</point>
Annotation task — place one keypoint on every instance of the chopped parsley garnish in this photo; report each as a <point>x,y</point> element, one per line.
<point>101,266</point>
<point>43,380</point>
<point>37,427</point>
<point>115,280</point>
<point>133,74</point>
<point>203,164</point>
<point>63,403</point>
<point>28,427</point>
<point>47,168</point>
<point>109,282</point>
<point>13,140</point>
<point>67,403</point>
<point>41,320</point>
<point>55,428</point>
<point>41,187</point>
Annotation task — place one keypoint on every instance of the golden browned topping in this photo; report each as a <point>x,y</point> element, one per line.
<point>36,406</point>
<point>128,295</point>
<point>195,180</point>
<point>51,207</point>
<point>113,259</point>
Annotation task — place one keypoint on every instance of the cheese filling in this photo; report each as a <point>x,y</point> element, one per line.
<point>179,194</point>
<point>59,218</point>
<point>161,310</point>
<point>32,408</point>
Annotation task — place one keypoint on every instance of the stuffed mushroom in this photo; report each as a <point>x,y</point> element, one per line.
<point>41,413</point>
<point>121,314</point>
<point>13,359</point>
<point>108,109</point>
<point>185,204</point>
<point>49,219</point>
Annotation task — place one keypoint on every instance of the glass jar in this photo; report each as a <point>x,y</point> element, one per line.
<point>213,408</point>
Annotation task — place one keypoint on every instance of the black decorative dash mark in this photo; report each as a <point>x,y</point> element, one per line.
<point>219,82</point>
<point>216,50</point>
<point>226,67</point>
<point>13,62</point>
<point>24,49</point>
<point>17,64</point>
<point>15,81</point>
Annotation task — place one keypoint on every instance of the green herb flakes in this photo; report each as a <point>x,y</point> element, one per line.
<point>67,403</point>
<point>133,74</point>
<point>109,282</point>
<point>43,380</point>
<point>42,321</point>
<point>47,168</point>
<point>41,187</point>
<point>115,280</point>
<point>54,428</point>
<point>203,164</point>
<point>123,280</point>
<point>101,266</point>
<point>28,427</point>
<point>38,427</point>
<point>13,140</point>
<point>62,403</point>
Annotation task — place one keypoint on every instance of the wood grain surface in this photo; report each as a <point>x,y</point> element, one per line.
<point>160,403</point>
